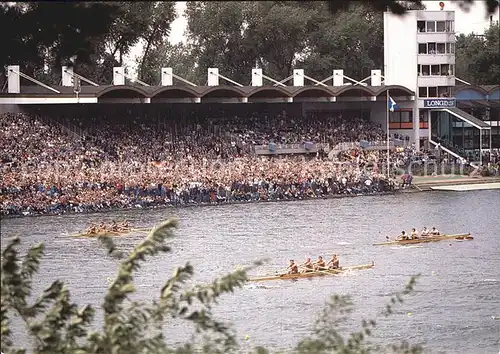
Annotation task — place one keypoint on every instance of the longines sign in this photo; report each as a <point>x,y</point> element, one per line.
<point>439,103</point>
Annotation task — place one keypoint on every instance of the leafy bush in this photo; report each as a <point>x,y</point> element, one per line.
<point>57,325</point>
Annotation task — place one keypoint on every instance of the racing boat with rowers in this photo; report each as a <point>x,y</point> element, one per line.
<point>425,236</point>
<point>310,269</point>
<point>112,229</point>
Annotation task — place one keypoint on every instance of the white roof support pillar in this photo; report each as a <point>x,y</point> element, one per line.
<point>118,75</point>
<point>213,77</point>
<point>167,79</point>
<point>13,79</point>
<point>338,77</point>
<point>256,77</point>
<point>67,76</point>
<point>376,79</point>
<point>298,77</point>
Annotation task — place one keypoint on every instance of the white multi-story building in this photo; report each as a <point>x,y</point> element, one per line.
<point>419,53</point>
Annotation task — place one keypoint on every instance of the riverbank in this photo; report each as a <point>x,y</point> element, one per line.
<point>198,205</point>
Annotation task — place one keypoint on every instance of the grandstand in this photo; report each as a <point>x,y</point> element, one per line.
<point>79,147</point>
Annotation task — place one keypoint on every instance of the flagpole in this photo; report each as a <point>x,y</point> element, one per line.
<point>387,122</point>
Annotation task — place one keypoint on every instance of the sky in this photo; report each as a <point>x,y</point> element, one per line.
<point>475,20</point>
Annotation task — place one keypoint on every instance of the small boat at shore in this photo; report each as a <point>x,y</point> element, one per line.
<point>316,273</point>
<point>109,233</point>
<point>427,239</point>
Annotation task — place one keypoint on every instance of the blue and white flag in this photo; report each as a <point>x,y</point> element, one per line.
<point>391,104</point>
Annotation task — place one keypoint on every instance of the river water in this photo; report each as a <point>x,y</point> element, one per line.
<point>451,311</point>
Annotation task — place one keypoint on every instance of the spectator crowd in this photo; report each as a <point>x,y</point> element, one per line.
<point>47,169</point>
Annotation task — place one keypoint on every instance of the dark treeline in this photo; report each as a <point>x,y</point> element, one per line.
<point>276,36</point>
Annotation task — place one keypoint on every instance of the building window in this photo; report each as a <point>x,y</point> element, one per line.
<point>431,26</point>
<point>446,91</point>
<point>435,70</point>
<point>421,26</point>
<point>440,26</point>
<point>447,70</point>
<point>432,92</point>
<point>436,48</point>
<point>426,70</point>
<point>423,120</point>
<point>406,116</point>
<point>401,119</point>
<point>422,92</point>
<point>450,26</point>
<point>431,48</point>
<point>443,91</point>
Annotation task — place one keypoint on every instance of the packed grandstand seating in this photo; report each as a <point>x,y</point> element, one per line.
<point>126,163</point>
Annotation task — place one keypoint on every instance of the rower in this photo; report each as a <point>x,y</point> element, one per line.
<point>333,263</point>
<point>403,236</point>
<point>307,265</point>
<point>101,227</point>
<point>114,226</point>
<point>424,232</point>
<point>320,264</point>
<point>414,234</point>
<point>293,268</point>
<point>434,232</point>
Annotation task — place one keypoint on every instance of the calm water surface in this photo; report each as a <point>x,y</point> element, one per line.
<point>450,312</point>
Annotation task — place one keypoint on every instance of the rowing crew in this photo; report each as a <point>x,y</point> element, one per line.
<point>102,228</point>
<point>309,266</point>
<point>414,234</point>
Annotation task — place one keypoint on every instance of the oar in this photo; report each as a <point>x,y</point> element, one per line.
<point>142,229</point>
<point>329,271</point>
<point>281,270</point>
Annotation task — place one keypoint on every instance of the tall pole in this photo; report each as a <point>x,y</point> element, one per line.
<point>480,147</point>
<point>387,122</point>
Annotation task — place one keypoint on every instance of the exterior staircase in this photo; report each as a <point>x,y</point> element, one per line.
<point>445,149</point>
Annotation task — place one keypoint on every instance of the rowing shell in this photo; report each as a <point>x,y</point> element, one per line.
<point>314,273</point>
<point>459,237</point>
<point>109,233</point>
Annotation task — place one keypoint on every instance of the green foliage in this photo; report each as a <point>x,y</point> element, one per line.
<point>95,35</point>
<point>280,35</point>
<point>399,7</point>
<point>178,57</point>
<point>216,34</point>
<point>236,36</point>
<point>57,325</point>
<point>478,58</point>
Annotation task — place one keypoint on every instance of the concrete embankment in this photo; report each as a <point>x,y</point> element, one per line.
<point>427,183</point>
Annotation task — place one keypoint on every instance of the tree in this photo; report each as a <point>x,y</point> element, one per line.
<point>215,31</point>
<point>91,36</point>
<point>477,57</point>
<point>58,325</point>
<point>400,7</point>
<point>349,40</point>
<point>39,33</point>
<point>158,29</point>
<point>279,31</point>
<point>177,56</point>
